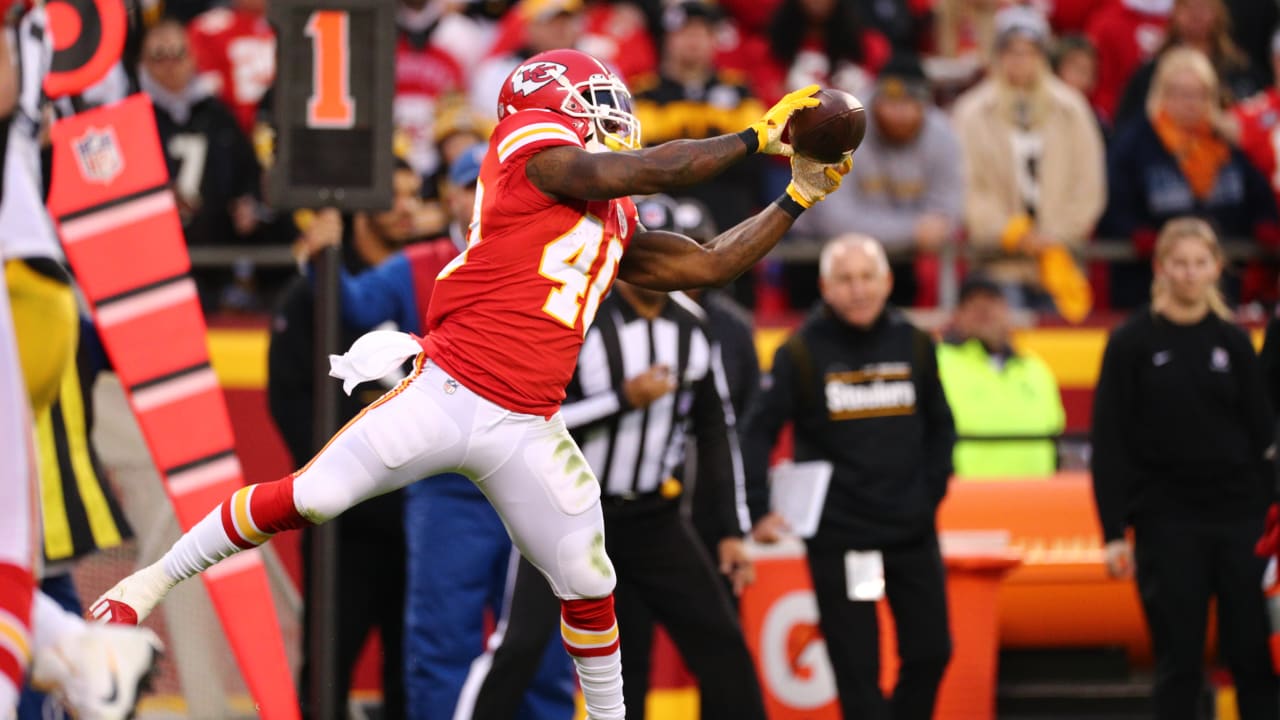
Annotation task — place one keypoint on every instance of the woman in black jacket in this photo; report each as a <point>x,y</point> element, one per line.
<point>1182,431</point>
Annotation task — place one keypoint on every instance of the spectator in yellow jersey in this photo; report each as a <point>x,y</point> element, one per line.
<point>1006,403</point>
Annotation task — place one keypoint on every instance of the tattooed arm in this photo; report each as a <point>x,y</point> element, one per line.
<point>570,172</point>
<point>669,261</point>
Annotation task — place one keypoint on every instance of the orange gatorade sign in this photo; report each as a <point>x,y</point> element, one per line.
<point>1046,588</point>
<point>780,620</point>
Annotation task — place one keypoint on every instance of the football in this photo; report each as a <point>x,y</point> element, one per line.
<point>830,130</point>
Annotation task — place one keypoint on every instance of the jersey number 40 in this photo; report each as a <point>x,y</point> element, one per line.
<point>566,261</point>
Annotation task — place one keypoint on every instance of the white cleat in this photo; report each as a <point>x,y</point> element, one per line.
<point>133,598</point>
<point>98,673</point>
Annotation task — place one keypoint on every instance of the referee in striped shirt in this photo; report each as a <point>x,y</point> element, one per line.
<point>647,375</point>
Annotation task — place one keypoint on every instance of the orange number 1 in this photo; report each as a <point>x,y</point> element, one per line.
<point>330,104</point>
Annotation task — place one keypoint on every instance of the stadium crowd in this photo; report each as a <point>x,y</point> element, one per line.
<point>1010,138</point>
<point>1017,133</point>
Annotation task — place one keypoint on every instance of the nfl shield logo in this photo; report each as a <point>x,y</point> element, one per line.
<point>98,155</point>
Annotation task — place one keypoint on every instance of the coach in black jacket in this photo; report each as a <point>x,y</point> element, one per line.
<point>861,386</point>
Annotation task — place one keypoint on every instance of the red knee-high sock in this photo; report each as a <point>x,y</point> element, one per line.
<point>17,587</point>
<point>590,633</point>
<point>589,627</point>
<point>256,512</point>
<point>245,520</point>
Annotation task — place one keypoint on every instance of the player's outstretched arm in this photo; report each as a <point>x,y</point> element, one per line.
<point>571,172</point>
<point>670,261</point>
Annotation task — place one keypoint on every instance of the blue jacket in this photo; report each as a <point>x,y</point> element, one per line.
<point>1146,189</point>
<point>398,289</point>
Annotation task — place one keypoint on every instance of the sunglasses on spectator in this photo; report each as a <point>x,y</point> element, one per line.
<point>166,54</point>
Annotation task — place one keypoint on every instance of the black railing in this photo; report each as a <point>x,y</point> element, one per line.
<point>796,251</point>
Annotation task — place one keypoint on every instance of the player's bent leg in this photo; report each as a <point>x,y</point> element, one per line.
<point>245,520</point>
<point>550,502</point>
<point>403,436</point>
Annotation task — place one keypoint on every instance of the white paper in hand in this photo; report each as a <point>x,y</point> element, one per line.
<point>798,492</point>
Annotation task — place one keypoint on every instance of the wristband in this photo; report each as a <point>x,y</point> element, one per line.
<point>751,139</point>
<point>789,205</point>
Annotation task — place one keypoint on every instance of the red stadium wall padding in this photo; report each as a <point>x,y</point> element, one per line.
<point>117,220</point>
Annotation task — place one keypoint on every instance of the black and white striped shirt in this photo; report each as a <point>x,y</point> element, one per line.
<point>633,450</point>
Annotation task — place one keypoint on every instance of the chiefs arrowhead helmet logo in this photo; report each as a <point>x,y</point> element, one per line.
<point>532,77</point>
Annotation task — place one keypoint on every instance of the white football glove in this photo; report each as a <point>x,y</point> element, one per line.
<point>812,181</point>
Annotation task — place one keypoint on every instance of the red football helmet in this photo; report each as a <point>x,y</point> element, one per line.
<point>580,87</point>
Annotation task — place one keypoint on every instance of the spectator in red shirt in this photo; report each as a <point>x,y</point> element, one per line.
<point>620,34</point>
<point>235,51</point>
<point>548,25</point>
<point>752,16</point>
<point>435,52</point>
<point>823,42</point>
<point>1127,34</point>
<point>1068,17</point>
<point>1258,119</point>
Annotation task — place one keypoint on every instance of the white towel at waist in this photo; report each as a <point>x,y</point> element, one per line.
<point>372,356</point>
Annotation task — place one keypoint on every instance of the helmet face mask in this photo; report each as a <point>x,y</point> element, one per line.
<point>609,108</point>
<point>582,89</point>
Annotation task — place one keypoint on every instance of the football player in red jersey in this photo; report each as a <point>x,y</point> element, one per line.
<point>553,227</point>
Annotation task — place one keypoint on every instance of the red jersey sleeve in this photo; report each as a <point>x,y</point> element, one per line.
<point>526,132</point>
<point>516,139</point>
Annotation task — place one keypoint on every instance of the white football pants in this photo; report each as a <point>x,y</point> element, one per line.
<point>528,466</point>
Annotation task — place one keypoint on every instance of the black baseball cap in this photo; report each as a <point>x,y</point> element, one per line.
<point>979,284</point>
<point>903,76</point>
